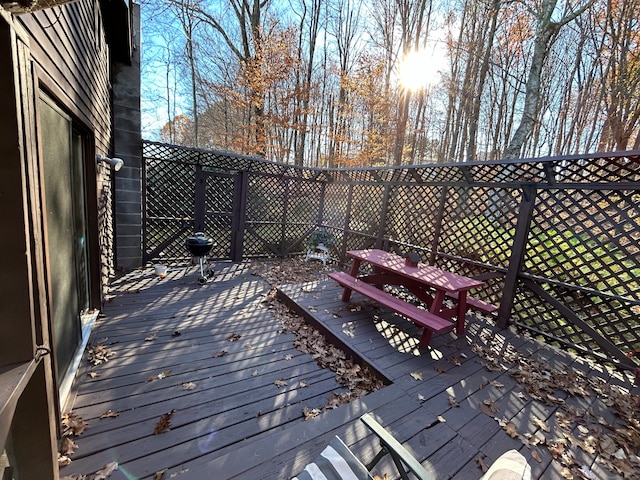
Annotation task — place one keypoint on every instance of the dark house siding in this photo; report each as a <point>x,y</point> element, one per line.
<point>63,54</point>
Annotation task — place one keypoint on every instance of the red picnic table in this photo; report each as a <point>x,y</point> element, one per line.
<point>429,284</point>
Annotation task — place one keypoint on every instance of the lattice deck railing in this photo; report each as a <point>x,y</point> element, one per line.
<point>556,239</point>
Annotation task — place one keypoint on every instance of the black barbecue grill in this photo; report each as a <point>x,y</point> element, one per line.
<point>199,246</point>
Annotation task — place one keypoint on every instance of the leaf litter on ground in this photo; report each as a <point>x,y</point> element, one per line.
<point>616,443</point>
<point>359,380</point>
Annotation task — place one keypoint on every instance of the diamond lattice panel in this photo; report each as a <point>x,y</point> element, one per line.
<point>411,215</point>
<point>587,238</point>
<point>170,190</point>
<point>366,209</point>
<point>219,229</point>
<point>336,205</point>
<point>304,202</point>
<point>159,231</point>
<point>266,199</point>
<point>479,224</point>
<point>611,319</point>
<point>219,194</point>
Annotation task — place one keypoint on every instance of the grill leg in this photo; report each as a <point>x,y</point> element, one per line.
<point>203,278</point>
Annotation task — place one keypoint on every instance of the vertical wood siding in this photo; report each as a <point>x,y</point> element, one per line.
<point>69,49</point>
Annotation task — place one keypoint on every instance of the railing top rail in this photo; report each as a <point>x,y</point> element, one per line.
<point>595,170</point>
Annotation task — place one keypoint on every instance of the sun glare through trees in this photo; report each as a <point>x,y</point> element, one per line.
<point>323,82</point>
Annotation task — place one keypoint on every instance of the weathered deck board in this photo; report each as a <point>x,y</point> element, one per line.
<point>236,423</point>
<point>468,382</point>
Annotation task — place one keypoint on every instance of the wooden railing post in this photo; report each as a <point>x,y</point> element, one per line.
<point>383,215</point>
<point>239,218</point>
<point>200,203</point>
<point>523,226</point>
<point>437,227</point>
<point>345,226</point>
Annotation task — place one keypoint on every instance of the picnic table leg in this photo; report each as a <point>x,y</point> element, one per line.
<point>462,312</point>
<point>438,302</point>
<point>355,267</point>
<point>426,338</point>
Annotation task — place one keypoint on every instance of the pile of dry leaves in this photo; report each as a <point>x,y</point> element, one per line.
<point>289,270</point>
<point>356,379</point>
<point>614,440</point>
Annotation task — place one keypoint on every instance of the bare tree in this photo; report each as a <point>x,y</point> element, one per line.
<point>546,30</point>
<point>620,60</point>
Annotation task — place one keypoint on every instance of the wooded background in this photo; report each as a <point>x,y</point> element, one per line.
<point>315,82</point>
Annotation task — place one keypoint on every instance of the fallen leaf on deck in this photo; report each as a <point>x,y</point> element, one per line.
<point>288,357</point>
<point>489,407</point>
<point>159,475</point>
<point>68,447</point>
<point>566,473</point>
<point>416,376</point>
<point>188,386</point>
<point>164,424</point>
<point>495,383</point>
<point>150,338</point>
<point>349,329</point>
<point>99,354</point>
<point>556,450</point>
<point>233,337</point>
<point>255,373</point>
<point>440,369</point>
<point>310,413</point>
<point>63,460</point>
<point>541,424</point>
<point>219,354</point>
<point>422,398</point>
<point>281,382</point>
<point>511,429</point>
<point>441,419</point>
<point>73,424</point>
<point>538,439</point>
<point>163,374</point>
<point>608,445</point>
<point>312,308</point>
<point>75,476</point>
<point>303,384</point>
<point>93,374</point>
<point>482,464</point>
<point>453,402</point>
<point>106,472</point>
<point>536,456</point>
<point>109,414</point>
<point>455,361</point>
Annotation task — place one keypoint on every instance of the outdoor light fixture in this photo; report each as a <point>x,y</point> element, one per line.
<point>116,163</point>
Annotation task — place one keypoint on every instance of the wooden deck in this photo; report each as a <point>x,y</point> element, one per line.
<point>231,420</point>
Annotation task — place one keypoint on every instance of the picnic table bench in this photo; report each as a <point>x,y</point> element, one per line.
<point>429,284</point>
<point>431,322</point>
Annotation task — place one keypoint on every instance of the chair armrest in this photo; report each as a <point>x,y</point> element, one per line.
<point>395,448</point>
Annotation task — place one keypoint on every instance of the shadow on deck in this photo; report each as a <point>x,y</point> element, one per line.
<point>218,357</point>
